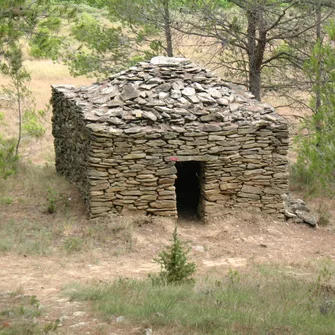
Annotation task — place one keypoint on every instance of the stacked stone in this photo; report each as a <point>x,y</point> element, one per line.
<point>131,129</point>
<point>71,137</point>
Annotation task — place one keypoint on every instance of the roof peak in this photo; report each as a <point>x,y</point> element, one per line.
<point>163,60</point>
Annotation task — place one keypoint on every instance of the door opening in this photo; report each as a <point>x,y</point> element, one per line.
<point>188,189</point>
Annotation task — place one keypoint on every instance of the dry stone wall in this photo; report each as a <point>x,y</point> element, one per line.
<point>119,141</point>
<point>71,138</point>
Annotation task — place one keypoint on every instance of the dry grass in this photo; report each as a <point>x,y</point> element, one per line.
<point>24,203</point>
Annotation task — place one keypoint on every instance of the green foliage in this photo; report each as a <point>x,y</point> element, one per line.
<point>29,119</point>
<point>32,123</point>
<point>6,201</point>
<point>45,45</point>
<point>8,157</point>
<point>51,198</point>
<point>99,49</point>
<point>316,142</point>
<point>21,19</point>
<point>173,262</point>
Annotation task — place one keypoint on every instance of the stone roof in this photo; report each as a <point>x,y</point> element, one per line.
<point>168,94</point>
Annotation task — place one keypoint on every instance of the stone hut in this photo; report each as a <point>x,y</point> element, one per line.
<point>167,137</point>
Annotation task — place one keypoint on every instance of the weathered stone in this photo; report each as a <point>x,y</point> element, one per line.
<point>251,189</point>
<point>188,91</point>
<point>214,93</point>
<point>248,195</point>
<point>129,91</point>
<point>134,156</point>
<point>163,204</point>
<point>211,127</point>
<point>149,115</point>
<point>254,172</point>
<point>166,87</point>
<point>167,171</point>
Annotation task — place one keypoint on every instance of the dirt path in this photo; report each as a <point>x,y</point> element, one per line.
<point>229,243</point>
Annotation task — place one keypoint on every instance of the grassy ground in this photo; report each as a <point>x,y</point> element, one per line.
<point>18,313</point>
<point>263,301</point>
<point>42,214</point>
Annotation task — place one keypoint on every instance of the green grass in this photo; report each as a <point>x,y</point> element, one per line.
<point>263,302</point>
<point>18,315</point>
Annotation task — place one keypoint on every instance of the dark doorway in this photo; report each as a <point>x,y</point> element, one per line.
<point>188,189</point>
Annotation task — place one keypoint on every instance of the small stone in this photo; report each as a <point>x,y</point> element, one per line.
<point>199,248</point>
<point>163,204</point>
<point>167,171</point>
<point>120,319</point>
<point>214,93</point>
<point>289,214</point>
<point>163,88</point>
<point>112,91</point>
<point>223,102</point>
<point>307,217</point>
<point>251,189</point>
<point>129,92</point>
<point>135,156</point>
<point>211,127</point>
<point>199,87</point>
<point>188,91</point>
<point>205,97</point>
<point>133,130</point>
<point>234,107</point>
<point>149,115</point>
<point>162,60</point>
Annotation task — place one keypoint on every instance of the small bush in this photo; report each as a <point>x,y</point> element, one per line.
<point>173,262</point>
<point>51,198</point>
<point>8,157</point>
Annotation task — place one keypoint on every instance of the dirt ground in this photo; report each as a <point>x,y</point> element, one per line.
<point>229,242</point>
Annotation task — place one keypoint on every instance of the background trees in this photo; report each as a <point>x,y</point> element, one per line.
<point>316,141</point>
<point>260,43</point>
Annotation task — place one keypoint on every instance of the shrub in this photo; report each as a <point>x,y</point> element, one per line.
<point>8,157</point>
<point>173,262</point>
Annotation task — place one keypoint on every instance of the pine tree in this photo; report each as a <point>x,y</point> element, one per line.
<point>173,261</point>
<point>315,166</point>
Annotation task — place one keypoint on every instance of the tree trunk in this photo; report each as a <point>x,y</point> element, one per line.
<point>256,48</point>
<point>318,75</point>
<point>19,107</point>
<point>167,28</point>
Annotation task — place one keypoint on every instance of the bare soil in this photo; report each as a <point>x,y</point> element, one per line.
<point>234,241</point>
